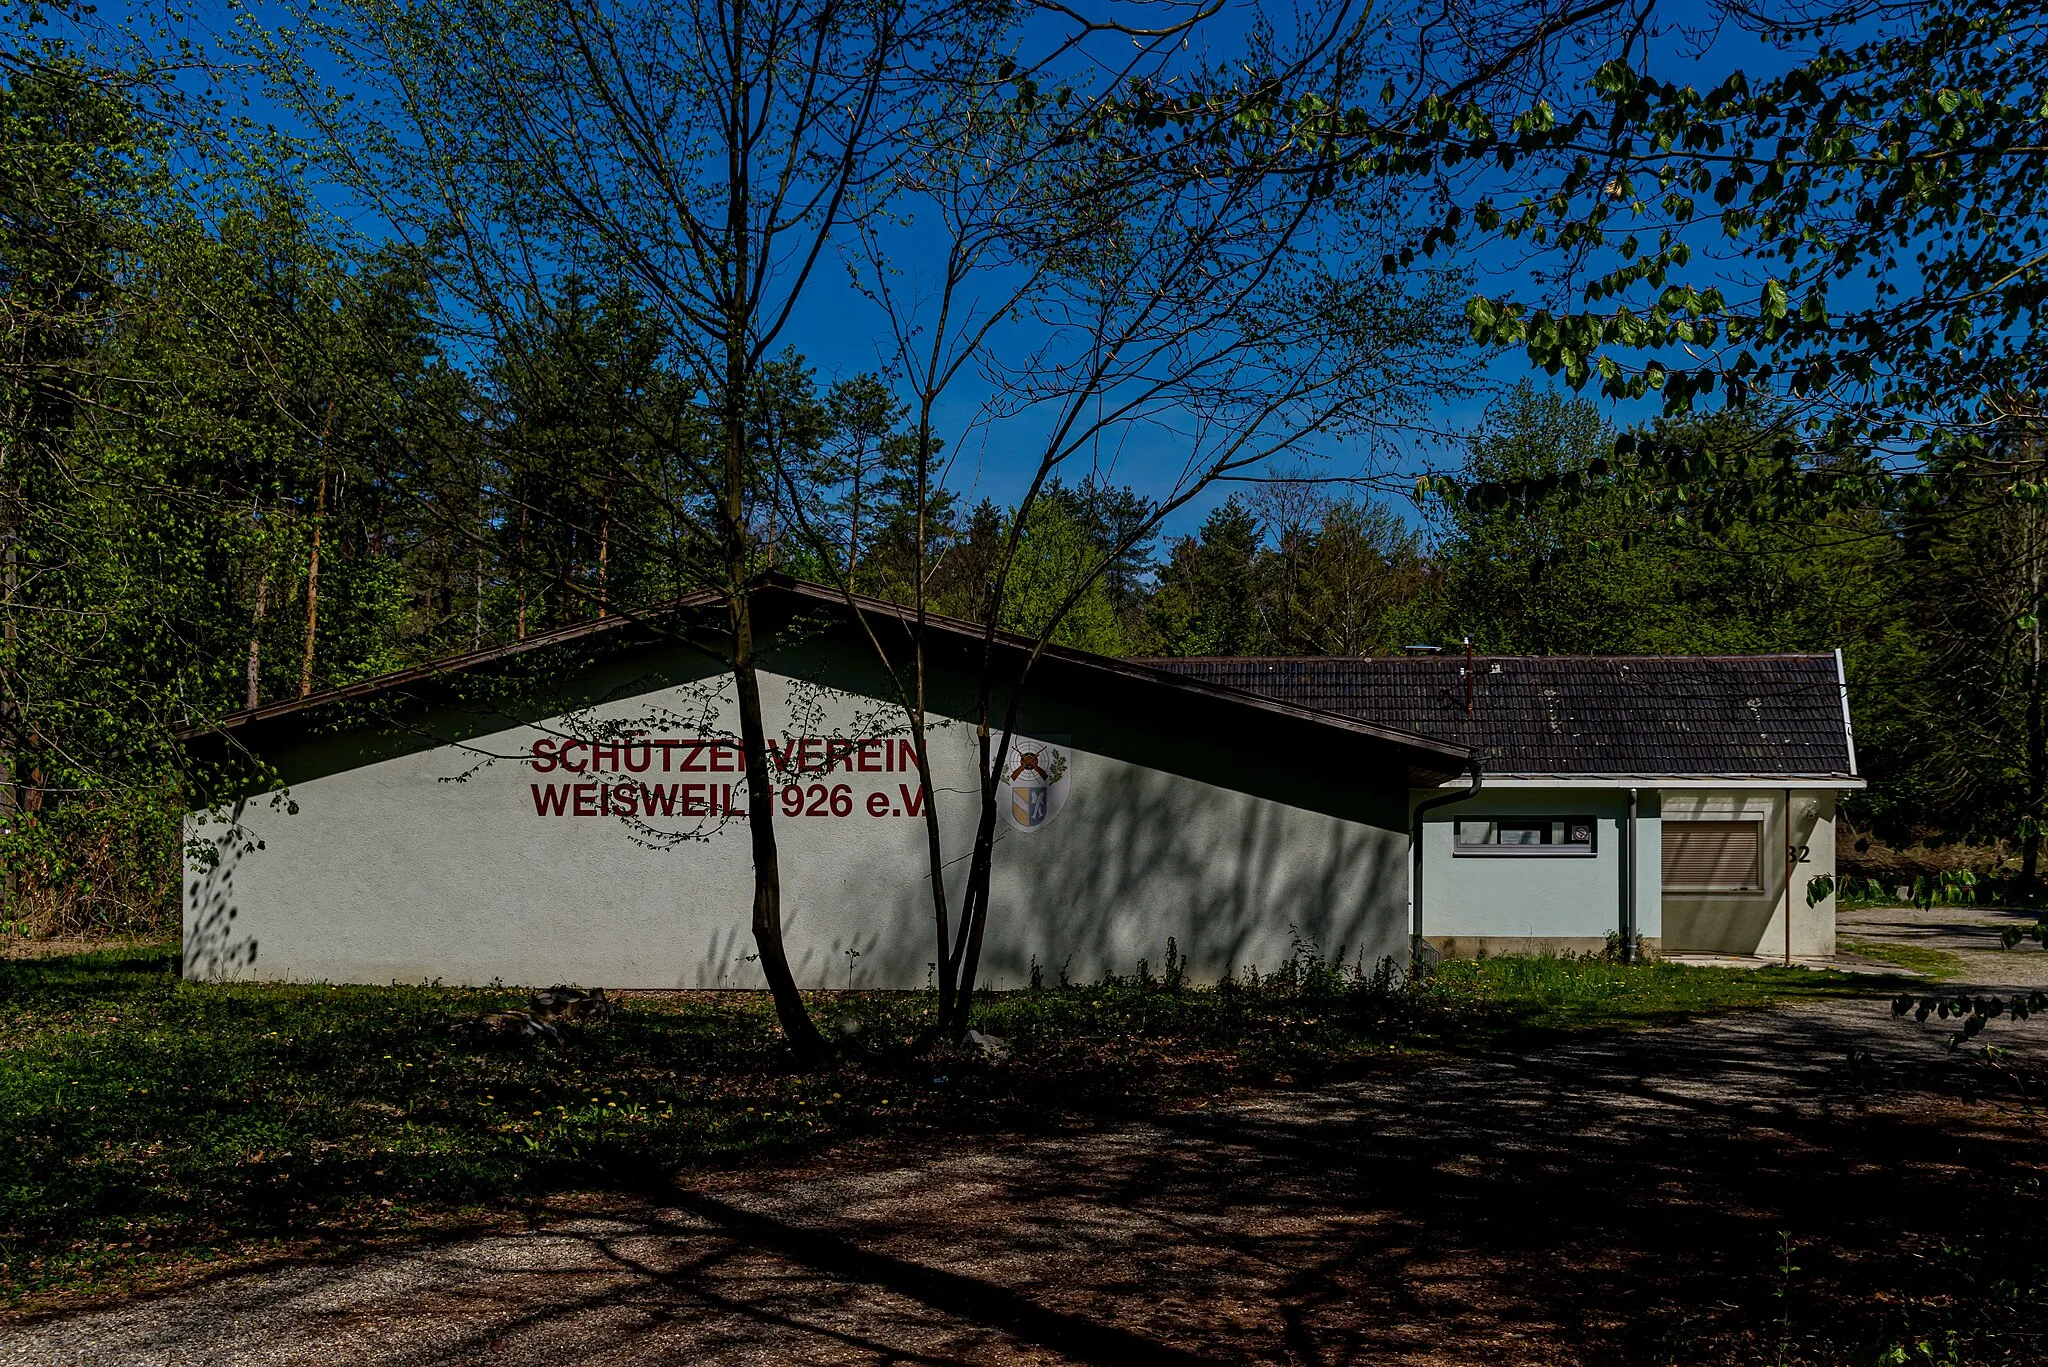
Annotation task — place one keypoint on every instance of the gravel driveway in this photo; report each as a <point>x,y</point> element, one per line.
<point>1602,1199</point>
<point>1970,933</point>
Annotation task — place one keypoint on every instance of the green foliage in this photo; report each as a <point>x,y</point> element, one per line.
<point>1971,1014</point>
<point>1293,572</point>
<point>1848,248</point>
<point>1555,574</point>
<point>1549,548</point>
<point>1208,597</point>
<point>1891,175</point>
<point>1559,536</point>
<point>1055,582</point>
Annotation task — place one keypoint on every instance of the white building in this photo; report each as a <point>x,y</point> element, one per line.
<point>1617,790</point>
<point>570,809</point>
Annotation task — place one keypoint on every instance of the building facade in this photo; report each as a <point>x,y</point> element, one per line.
<point>1691,798</point>
<point>573,809</point>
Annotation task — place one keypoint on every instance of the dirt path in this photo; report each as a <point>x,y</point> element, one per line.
<point>1970,934</point>
<point>1605,1200</point>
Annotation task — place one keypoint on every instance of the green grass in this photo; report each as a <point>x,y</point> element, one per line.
<point>152,1121</point>
<point>1936,965</point>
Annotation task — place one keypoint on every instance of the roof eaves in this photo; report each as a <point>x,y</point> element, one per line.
<point>441,668</point>
<point>1141,673</point>
<point>1673,775</point>
<point>1461,755</point>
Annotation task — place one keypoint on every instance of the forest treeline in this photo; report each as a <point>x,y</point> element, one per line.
<point>241,463</point>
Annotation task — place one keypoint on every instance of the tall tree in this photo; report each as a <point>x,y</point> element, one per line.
<point>1207,603</point>
<point>707,155</point>
<point>1127,250</point>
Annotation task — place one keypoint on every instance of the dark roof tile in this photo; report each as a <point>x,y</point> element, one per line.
<point>1752,715</point>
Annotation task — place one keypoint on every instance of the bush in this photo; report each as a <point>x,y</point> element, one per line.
<point>91,867</point>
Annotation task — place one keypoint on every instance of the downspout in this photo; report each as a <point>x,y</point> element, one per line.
<point>1415,845</point>
<point>1628,895</point>
<point>1788,878</point>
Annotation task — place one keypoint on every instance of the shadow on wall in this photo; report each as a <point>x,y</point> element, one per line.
<point>1232,879</point>
<point>214,950</point>
<point>1727,923</point>
<point>847,963</point>
<point>729,961</point>
<point>1742,922</point>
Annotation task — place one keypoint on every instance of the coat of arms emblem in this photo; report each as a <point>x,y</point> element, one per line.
<point>1036,774</point>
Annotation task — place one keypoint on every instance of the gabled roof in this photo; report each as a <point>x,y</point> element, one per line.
<point>1749,716</point>
<point>780,598</point>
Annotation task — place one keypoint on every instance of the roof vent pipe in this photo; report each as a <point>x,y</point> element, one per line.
<point>1416,968</point>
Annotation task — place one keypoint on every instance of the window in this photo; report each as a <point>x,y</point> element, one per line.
<point>1713,856</point>
<point>1512,835</point>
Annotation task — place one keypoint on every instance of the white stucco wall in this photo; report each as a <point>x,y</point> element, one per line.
<point>1754,923</point>
<point>436,865</point>
<point>1552,897</point>
<point>1540,896</point>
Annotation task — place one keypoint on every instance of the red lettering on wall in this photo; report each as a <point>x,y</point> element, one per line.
<point>800,757</point>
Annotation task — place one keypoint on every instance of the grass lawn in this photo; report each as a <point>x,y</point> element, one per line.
<point>1936,965</point>
<point>153,1122</point>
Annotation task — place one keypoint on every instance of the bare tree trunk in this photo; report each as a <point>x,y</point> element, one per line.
<point>312,594</point>
<point>519,629</point>
<point>853,523</point>
<point>604,554</point>
<point>256,638</point>
<point>935,851</point>
<point>980,868</point>
<point>10,583</point>
<point>789,1003</point>
<point>2037,735</point>
<point>974,906</point>
<point>767,920</point>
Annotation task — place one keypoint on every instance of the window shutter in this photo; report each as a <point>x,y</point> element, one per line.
<point>1722,856</point>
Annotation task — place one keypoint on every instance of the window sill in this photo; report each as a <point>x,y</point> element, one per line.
<point>1521,852</point>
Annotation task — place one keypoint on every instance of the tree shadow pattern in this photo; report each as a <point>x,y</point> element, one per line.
<point>1613,1199</point>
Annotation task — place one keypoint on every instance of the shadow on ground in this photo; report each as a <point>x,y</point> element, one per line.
<point>1622,1199</point>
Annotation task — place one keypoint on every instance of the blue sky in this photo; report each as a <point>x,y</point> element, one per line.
<point>839,333</point>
